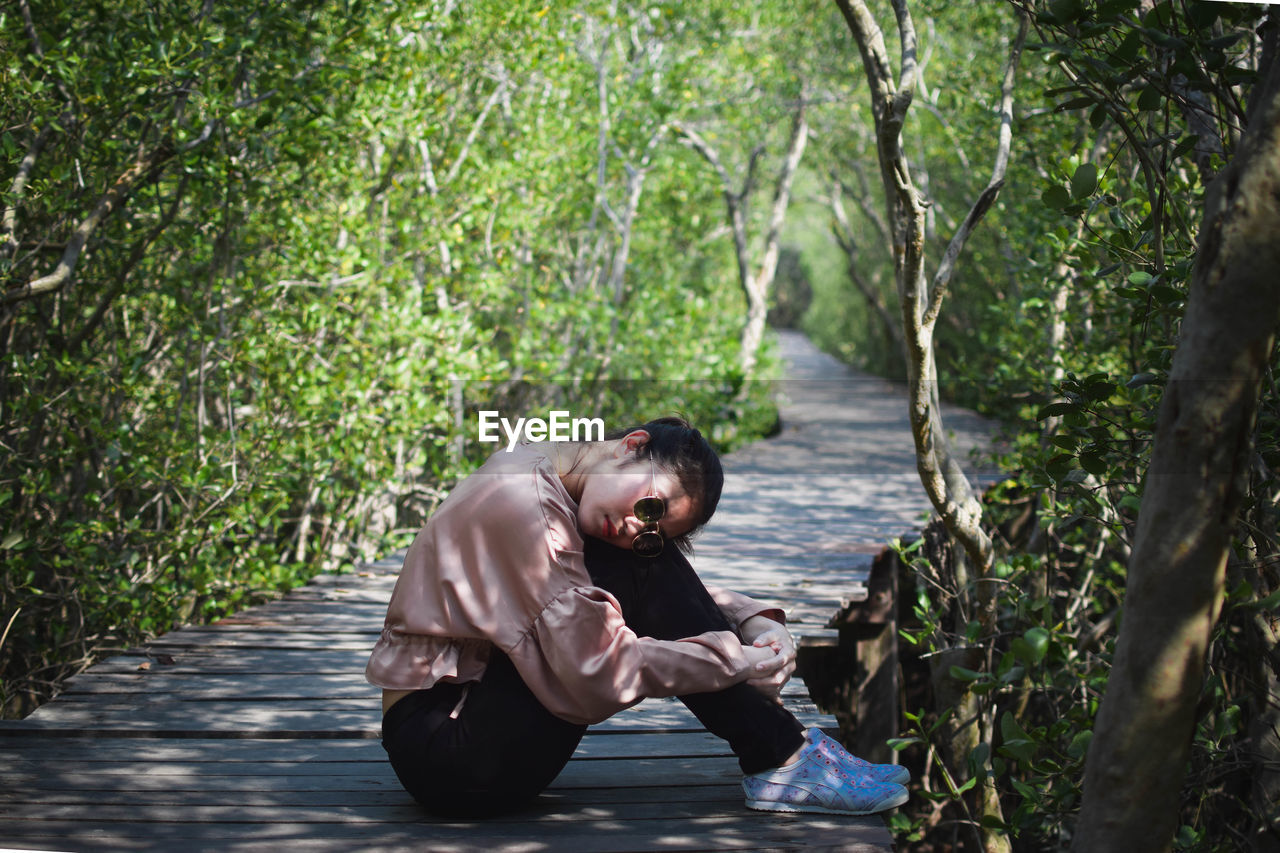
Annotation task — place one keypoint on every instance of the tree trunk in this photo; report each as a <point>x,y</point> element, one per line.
<point>921,302</point>
<point>1195,482</point>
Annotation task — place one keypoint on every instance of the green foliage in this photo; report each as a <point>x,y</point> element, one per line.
<point>1061,322</point>
<point>342,227</point>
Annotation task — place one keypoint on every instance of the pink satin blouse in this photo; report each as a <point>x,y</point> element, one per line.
<point>500,562</point>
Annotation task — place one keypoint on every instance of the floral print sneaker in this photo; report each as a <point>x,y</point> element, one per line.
<point>832,749</point>
<point>817,783</point>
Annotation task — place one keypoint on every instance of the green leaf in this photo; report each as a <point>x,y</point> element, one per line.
<point>959,673</point>
<point>990,821</point>
<point>901,743</point>
<point>1080,744</point>
<point>1069,443</point>
<point>1060,466</point>
<point>978,758</point>
<point>1128,49</point>
<point>1094,464</point>
<point>1271,602</point>
<point>1150,98</point>
<point>1224,42</point>
<point>1026,791</point>
<point>1022,749</point>
<point>12,540</point>
<point>1055,197</point>
<point>1037,640</point>
<point>1054,409</point>
<point>1131,503</point>
<point>1075,103</point>
<point>1066,11</point>
<point>1084,181</point>
<point>1010,728</point>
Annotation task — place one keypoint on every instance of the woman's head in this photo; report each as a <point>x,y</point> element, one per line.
<point>681,452</point>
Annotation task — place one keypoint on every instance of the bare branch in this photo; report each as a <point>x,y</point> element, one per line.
<point>9,225</point>
<point>946,267</point>
<point>863,199</point>
<point>843,231</point>
<point>782,195</point>
<point>38,48</point>
<point>135,257</point>
<point>908,73</point>
<point>708,153</point>
<point>753,163</point>
<point>494,97</point>
<point>106,205</point>
<point>733,203</point>
<point>428,173</point>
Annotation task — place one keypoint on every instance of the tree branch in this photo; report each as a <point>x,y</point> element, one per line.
<point>9,225</point>
<point>493,99</point>
<point>843,231</point>
<point>135,257</point>
<point>946,267</point>
<point>733,203</point>
<point>106,205</point>
<point>782,195</point>
<point>38,48</point>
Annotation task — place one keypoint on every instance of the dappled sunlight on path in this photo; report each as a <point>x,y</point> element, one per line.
<point>803,513</point>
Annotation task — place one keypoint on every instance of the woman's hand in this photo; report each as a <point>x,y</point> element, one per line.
<point>773,670</point>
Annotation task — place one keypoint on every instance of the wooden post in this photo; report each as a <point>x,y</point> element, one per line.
<point>854,676</point>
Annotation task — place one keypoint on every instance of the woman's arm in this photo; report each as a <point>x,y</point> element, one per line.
<point>739,608</point>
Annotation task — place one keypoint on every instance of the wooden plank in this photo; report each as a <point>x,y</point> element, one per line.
<point>565,798</point>
<point>87,751</point>
<point>207,660</point>
<point>94,686</point>
<point>746,832</point>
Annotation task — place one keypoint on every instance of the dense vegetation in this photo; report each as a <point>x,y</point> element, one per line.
<point>262,263</point>
<point>1062,322</point>
<point>337,229</point>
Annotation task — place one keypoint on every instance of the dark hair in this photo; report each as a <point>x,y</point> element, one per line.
<point>683,452</point>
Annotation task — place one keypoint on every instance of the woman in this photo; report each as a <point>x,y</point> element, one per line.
<point>548,592</point>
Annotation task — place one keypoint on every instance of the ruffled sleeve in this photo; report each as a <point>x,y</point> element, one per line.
<point>582,661</point>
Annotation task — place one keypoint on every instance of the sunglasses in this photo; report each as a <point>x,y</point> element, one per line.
<point>649,510</point>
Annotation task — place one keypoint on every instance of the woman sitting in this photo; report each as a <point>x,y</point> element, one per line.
<point>548,592</point>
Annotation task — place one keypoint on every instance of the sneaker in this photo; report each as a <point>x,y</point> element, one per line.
<point>832,749</point>
<point>816,783</point>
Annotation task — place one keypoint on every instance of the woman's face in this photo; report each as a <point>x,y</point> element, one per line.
<point>607,508</point>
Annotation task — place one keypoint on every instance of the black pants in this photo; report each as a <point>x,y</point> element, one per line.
<point>504,747</point>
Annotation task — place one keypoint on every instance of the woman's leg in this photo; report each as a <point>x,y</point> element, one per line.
<point>488,751</point>
<point>663,598</point>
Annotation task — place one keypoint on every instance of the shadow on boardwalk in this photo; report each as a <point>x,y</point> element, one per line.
<point>260,732</point>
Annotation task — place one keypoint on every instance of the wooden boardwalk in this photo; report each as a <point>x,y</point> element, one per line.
<point>260,732</point>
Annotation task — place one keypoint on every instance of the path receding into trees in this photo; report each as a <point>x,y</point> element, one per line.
<point>804,512</point>
<point>260,732</point>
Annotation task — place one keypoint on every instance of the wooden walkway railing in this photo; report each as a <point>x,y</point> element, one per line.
<point>260,732</point>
